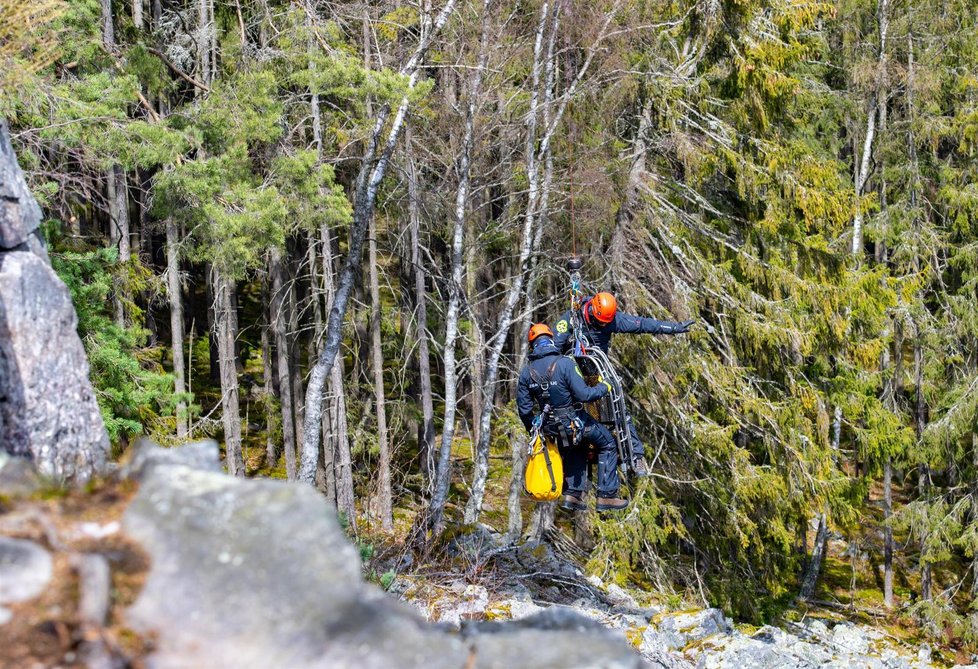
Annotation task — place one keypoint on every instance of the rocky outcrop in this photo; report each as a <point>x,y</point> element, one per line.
<point>229,572</point>
<point>258,573</point>
<point>20,216</point>
<point>48,411</point>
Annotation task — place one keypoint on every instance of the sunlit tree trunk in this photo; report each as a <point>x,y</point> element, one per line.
<point>384,494</point>
<point>426,433</point>
<point>481,471</point>
<point>176,323</point>
<point>444,473</point>
<point>368,180</point>
<point>337,440</point>
<point>876,101</point>
<point>279,298</point>
<point>225,321</point>
<point>505,321</point>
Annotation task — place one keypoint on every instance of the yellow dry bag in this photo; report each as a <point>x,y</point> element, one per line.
<point>544,471</point>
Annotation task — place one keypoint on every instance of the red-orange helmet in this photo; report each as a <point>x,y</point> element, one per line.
<point>603,307</point>
<point>540,329</point>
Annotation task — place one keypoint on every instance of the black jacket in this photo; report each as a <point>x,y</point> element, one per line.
<point>599,334</point>
<point>567,385</point>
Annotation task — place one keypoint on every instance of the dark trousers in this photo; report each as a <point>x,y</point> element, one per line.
<point>638,448</point>
<point>575,459</point>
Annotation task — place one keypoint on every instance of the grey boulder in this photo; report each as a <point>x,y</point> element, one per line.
<point>258,573</point>
<point>48,411</point>
<point>25,571</point>
<point>20,216</point>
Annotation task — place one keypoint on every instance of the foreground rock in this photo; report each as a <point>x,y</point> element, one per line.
<point>257,573</point>
<point>25,570</point>
<point>197,569</point>
<point>532,581</point>
<point>48,411</point>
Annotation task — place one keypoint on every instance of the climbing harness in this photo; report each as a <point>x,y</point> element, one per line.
<point>611,409</point>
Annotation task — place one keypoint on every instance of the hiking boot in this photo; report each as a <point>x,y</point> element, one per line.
<point>640,468</point>
<point>611,503</point>
<point>572,503</point>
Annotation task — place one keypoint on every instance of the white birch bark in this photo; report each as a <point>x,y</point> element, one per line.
<point>338,438</point>
<point>137,14</point>
<point>368,180</point>
<point>426,435</point>
<point>862,175</point>
<point>176,324</point>
<point>444,474</point>
<point>224,323</point>
<point>384,494</point>
<point>279,326</point>
<point>505,321</point>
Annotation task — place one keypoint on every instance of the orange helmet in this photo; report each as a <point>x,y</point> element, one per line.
<point>603,307</point>
<point>540,329</point>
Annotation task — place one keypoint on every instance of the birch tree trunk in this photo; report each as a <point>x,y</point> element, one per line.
<point>476,341</point>
<point>498,341</point>
<point>371,174</point>
<point>338,441</point>
<point>384,494</point>
<point>862,174</point>
<point>548,165</point>
<point>268,390</point>
<point>515,523</point>
<point>116,189</point>
<point>444,473</point>
<point>810,581</point>
<point>820,546</point>
<point>426,433</point>
<point>474,506</point>
<point>279,326</point>
<point>137,14</point>
<point>224,323</point>
<point>108,29</point>
<point>923,483</point>
<point>203,42</point>
<point>118,193</point>
<point>541,520</point>
<point>176,324</point>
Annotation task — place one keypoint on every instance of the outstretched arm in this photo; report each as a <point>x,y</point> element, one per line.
<point>580,390</point>
<point>524,401</point>
<point>638,325</point>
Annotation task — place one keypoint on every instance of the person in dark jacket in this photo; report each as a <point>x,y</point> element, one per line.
<point>550,390</point>
<point>598,319</point>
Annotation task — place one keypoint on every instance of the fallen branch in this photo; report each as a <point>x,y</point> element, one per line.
<point>177,71</point>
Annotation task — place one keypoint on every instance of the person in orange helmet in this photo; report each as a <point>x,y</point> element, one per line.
<point>548,396</point>
<point>599,319</point>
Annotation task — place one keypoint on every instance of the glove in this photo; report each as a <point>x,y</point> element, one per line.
<point>683,328</point>
<point>607,385</point>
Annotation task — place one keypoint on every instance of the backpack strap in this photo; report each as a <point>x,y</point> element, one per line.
<point>550,467</point>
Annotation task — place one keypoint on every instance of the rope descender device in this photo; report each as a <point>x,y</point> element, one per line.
<point>574,265</point>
